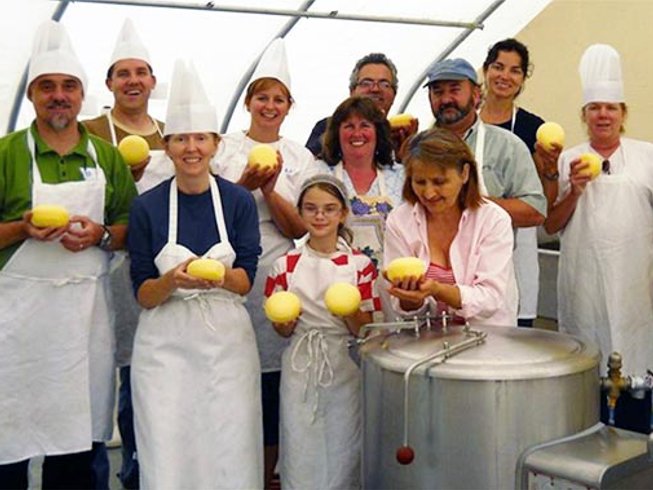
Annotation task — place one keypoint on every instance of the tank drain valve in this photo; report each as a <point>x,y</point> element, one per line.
<point>615,383</point>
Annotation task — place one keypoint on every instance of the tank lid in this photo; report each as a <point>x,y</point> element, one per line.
<point>505,353</point>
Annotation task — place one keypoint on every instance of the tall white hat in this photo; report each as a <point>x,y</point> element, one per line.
<point>129,45</point>
<point>52,53</point>
<point>189,109</point>
<point>274,63</point>
<point>600,74</point>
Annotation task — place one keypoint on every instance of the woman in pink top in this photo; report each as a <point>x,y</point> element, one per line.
<point>465,239</point>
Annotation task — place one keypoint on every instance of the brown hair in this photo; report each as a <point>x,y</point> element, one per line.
<point>442,148</point>
<point>510,45</point>
<point>365,108</point>
<point>265,83</point>
<point>332,189</point>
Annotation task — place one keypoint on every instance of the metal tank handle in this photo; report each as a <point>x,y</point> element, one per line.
<point>406,454</point>
<point>416,323</point>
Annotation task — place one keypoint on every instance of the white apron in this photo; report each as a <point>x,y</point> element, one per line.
<point>196,380</point>
<point>273,245</point>
<point>56,340</point>
<point>126,308</point>
<point>606,268</point>
<point>367,222</point>
<point>320,387</point>
<point>525,260</point>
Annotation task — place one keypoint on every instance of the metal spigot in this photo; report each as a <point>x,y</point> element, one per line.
<point>445,321</point>
<point>615,383</point>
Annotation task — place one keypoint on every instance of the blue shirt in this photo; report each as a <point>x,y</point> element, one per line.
<point>197,230</point>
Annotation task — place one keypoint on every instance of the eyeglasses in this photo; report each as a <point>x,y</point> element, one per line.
<point>327,211</point>
<point>605,167</point>
<point>368,84</point>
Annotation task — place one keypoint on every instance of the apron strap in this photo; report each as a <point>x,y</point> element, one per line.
<point>36,174</point>
<point>217,210</point>
<point>514,118</point>
<point>112,129</point>
<point>479,156</point>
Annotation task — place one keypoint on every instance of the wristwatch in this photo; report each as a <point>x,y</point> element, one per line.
<point>552,175</point>
<point>107,238</point>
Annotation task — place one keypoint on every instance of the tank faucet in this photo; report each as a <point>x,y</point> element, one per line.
<point>615,383</point>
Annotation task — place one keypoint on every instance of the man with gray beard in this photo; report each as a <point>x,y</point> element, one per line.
<point>56,337</point>
<point>508,176</point>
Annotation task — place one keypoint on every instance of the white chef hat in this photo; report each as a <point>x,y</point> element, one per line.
<point>600,74</point>
<point>274,63</point>
<point>129,45</point>
<point>189,110</point>
<point>52,53</point>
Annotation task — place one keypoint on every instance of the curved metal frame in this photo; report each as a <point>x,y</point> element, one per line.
<point>296,15</point>
<point>244,81</point>
<point>446,52</point>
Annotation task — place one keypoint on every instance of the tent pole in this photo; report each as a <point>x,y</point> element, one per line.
<point>244,81</point>
<point>333,15</point>
<point>446,52</point>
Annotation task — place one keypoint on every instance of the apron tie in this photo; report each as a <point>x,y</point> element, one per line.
<point>203,298</point>
<point>204,308</point>
<point>58,282</point>
<point>318,364</point>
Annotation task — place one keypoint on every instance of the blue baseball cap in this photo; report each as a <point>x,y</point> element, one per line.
<point>452,69</point>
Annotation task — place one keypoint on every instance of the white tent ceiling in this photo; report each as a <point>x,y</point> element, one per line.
<point>225,45</point>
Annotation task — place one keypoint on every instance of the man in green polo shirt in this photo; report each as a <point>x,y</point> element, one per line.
<point>56,338</point>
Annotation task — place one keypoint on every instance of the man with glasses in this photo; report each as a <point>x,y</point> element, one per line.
<point>373,76</point>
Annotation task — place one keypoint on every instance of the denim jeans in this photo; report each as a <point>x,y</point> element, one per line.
<point>129,470</point>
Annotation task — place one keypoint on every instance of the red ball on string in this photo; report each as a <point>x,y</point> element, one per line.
<point>405,455</point>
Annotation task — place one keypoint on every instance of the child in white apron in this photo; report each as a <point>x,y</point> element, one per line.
<point>321,435</point>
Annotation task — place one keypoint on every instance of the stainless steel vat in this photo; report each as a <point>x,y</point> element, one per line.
<point>471,415</point>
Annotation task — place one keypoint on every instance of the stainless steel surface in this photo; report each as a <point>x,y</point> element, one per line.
<point>509,353</point>
<point>603,458</point>
<point>547,302</point>
<point>471,338</point>
<point>471,416</point>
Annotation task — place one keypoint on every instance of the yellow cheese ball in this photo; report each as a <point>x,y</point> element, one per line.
<point>210,269</point>
<point>263,156</point>
<point>549,133</point>
<point>282,307</point>
<point>45,215</point>
<point>134,149</point>
<point>342,299</point>
<point>400,120</point>
<point>404,267</point>
<point>595,164</point>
